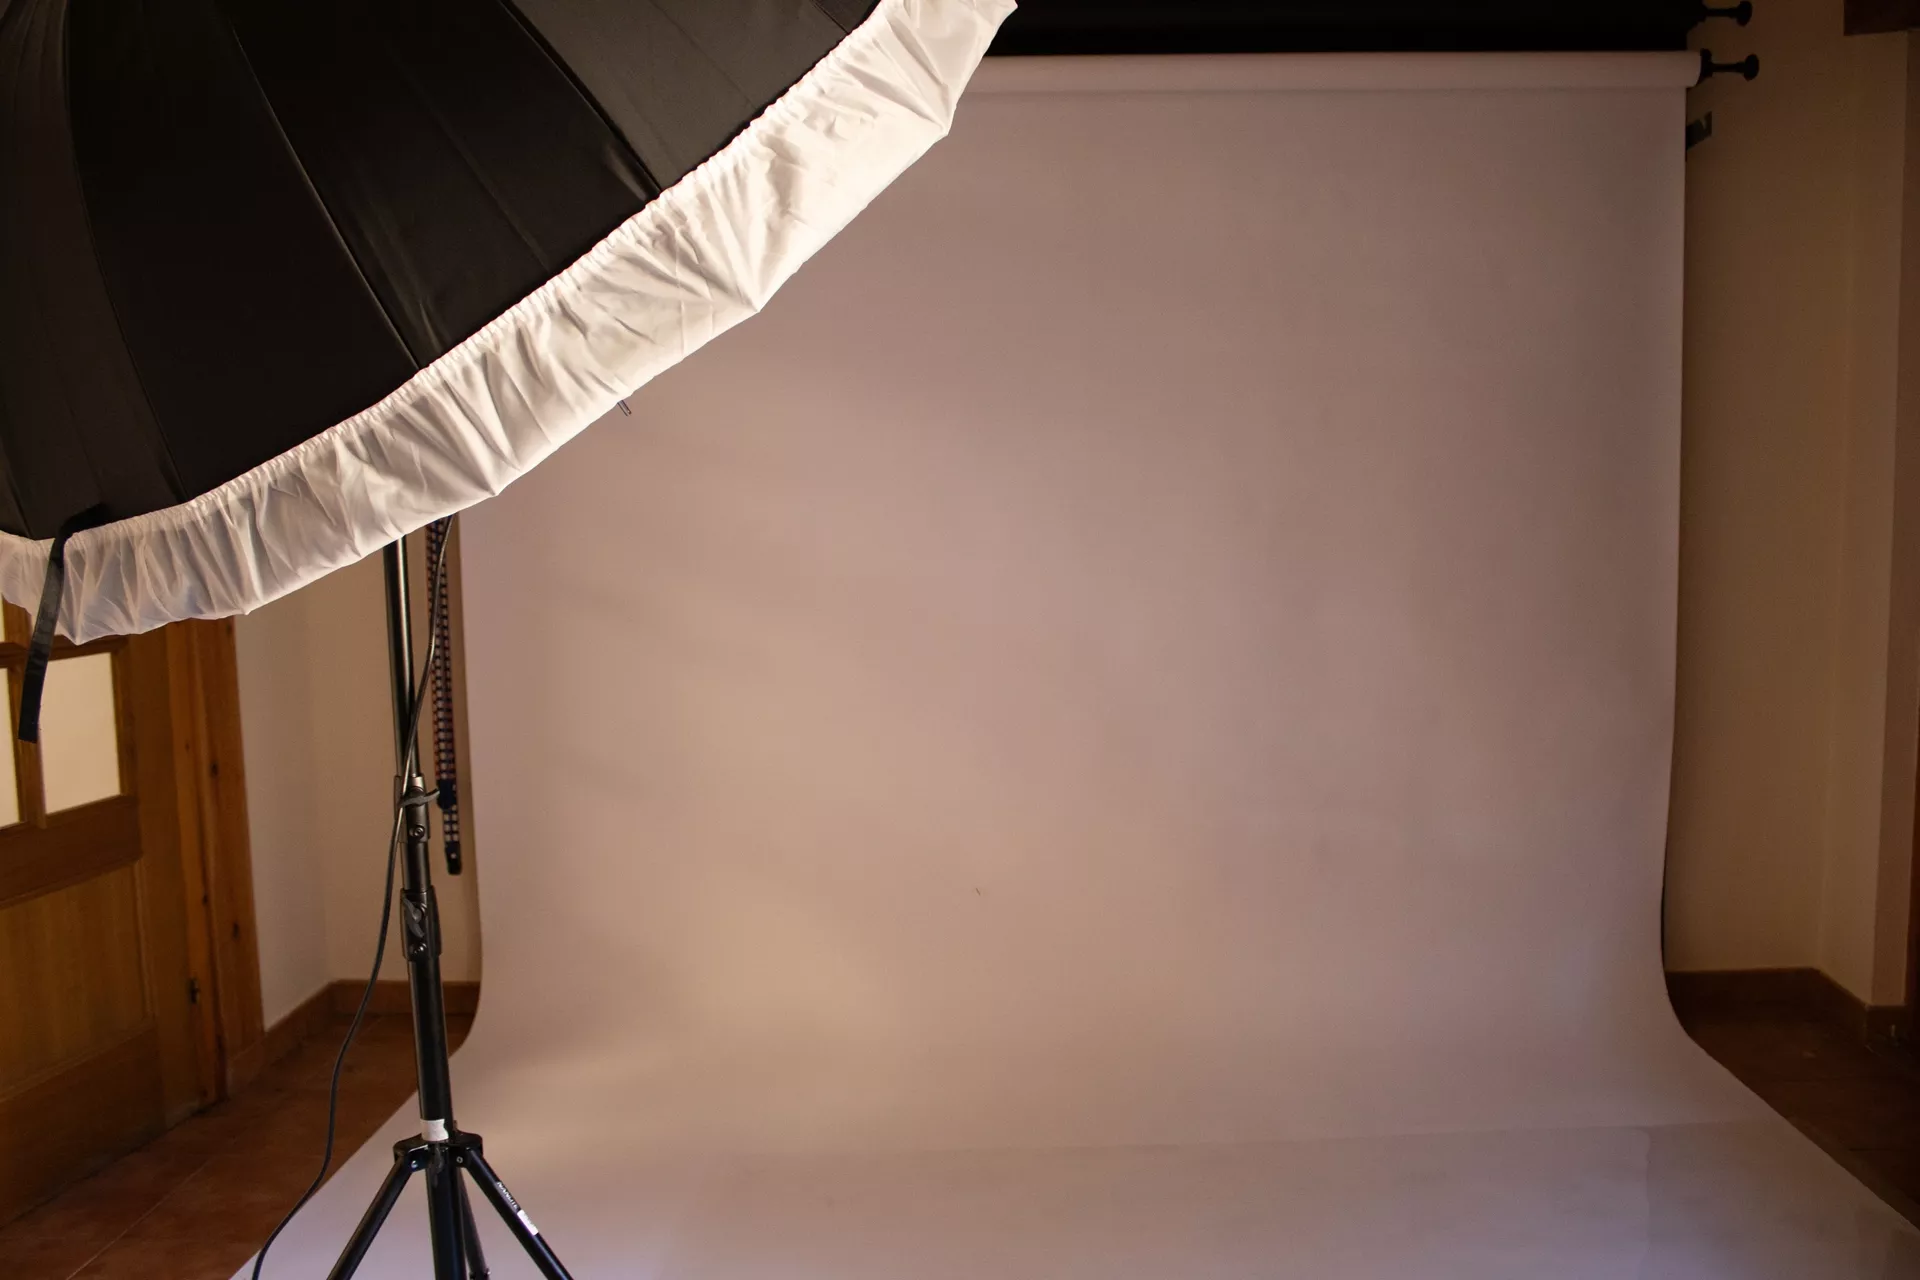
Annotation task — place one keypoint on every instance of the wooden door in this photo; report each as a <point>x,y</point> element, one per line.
<point>113,907</point>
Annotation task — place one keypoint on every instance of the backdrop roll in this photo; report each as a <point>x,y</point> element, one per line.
<point>1123,728</point>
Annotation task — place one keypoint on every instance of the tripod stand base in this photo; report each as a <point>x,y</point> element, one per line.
<point>443,1153</point>
<point>456,1242</point>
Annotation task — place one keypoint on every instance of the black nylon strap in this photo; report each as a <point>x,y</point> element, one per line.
<point>33,680</point>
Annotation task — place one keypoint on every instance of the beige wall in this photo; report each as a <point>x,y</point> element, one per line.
<point>319,748</point>
<point>1792,807</point>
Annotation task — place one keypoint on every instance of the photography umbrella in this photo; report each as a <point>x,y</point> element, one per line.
<point>282,281</point>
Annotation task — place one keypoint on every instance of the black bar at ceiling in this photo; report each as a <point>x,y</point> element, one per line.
<point>1336,26</point>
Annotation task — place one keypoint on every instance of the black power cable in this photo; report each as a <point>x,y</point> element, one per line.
<point>407,768</point>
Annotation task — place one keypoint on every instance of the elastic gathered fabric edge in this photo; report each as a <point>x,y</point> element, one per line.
<point>496,405</point>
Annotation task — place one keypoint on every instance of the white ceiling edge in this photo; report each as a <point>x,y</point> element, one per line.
<point>1373,72</point>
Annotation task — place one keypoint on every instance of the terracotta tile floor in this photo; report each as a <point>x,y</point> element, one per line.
<point>196,1202</point>
<point>1861,1105</point>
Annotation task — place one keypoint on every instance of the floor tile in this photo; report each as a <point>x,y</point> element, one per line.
<point>33,1255</point>
<point>185,1259</point>
<point>1757,1051</point>
<point>99,1208</point>
<point>1862,1106</point>
<point>1853,1113</point>
<point>236,1197</point>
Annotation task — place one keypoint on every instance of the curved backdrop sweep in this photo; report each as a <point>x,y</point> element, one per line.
<point>1122,728</point>
<point>280,283</point>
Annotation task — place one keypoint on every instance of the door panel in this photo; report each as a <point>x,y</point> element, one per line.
<point>71,977</point>
<point>107,1033</point>
<point>69,1120</point>
<point>72,846</point>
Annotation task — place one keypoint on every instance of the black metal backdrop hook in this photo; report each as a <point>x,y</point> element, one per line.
<point>1747,68</point>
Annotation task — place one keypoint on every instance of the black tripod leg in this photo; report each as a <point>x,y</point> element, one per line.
<point>404,1163</point>
<point>515,1217</point>
<point>476,1258</point>
<point>444,1222</point>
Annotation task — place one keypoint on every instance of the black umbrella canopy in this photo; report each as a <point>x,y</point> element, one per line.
<point>282,280</point>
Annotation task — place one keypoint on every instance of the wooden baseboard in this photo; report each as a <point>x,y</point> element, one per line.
<point>306,1019</point>
<point>391,996</point>
<point>1786,993</point>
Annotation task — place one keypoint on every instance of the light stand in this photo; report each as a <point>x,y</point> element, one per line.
<point>441,1151</point>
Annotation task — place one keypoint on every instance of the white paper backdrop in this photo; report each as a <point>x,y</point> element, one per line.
<point>1122,728</point>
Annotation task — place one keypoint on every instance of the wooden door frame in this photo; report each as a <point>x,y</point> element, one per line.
<point>226,854</point>
<point>194,811</point>
<point>1906,497</point>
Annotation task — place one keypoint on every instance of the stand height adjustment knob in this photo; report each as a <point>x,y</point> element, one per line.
<point>417,926</point>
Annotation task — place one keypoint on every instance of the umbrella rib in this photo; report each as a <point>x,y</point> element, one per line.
<point>319,201</point>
